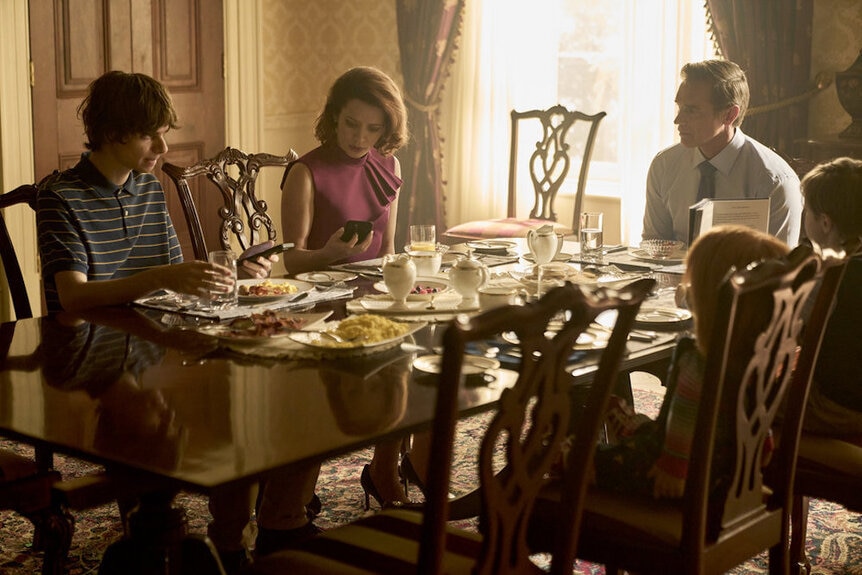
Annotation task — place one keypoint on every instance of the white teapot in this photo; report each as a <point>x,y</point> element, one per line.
<point>544,244</point>
<point>467,276</point>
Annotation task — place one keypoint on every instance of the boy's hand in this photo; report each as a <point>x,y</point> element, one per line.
<point>256,267</point>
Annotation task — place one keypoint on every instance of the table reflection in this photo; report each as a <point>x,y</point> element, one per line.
<point>370,396</point>
<point>108,365</point>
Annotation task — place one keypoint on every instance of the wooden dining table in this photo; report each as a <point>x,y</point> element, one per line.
<point>170,407</point>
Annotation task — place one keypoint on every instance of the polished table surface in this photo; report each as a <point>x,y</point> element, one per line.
<point>119,387</point>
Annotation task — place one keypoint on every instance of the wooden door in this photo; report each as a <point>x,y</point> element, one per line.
<point>178,42</point>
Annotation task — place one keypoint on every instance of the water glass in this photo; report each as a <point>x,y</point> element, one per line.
<point>222,299</point>
<point>591,237</point>
<point>423,237</point>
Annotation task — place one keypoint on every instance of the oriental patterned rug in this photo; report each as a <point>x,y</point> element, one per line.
<point>834,535</point>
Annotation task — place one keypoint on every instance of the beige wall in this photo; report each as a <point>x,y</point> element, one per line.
<point>306,46</point>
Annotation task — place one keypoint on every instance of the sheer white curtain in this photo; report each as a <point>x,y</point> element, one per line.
<point>509,59</point>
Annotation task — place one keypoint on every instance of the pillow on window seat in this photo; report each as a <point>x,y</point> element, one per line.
<point>501,228</point>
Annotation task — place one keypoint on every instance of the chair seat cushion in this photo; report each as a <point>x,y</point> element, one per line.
<point>830,453</point>
<point>14,466</point>
<point>830,468</point>
<point>501,228</point>
<point>384,543</point>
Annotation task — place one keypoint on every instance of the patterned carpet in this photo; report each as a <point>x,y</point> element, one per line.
<point>834,536</point>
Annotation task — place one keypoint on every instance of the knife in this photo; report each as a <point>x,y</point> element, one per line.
<point>298,297</point>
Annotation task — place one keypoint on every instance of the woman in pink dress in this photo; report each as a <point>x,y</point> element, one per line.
<point>352,175</point>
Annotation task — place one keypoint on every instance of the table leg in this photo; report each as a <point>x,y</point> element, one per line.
<point>159,543</point>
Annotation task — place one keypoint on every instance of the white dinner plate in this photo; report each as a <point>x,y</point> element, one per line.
<point>674,258</point>
<point>301,286</point>
<point>422,286</point>
<point>245,331</point>
<point>321,342</point>
<point>662,315</point>
<point>566,272</point>
<point>491,245</point>
<point>326,277</point>
<point>472,365</point>
<point>560,257</point>
<point>592,338</point>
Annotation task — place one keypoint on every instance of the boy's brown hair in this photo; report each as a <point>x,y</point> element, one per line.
<point>119,105</point>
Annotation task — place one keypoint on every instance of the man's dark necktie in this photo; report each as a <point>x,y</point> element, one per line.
<point>706,188</point>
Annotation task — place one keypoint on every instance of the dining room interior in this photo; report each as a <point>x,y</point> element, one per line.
<point>279,57</point>
<point>621,57</point>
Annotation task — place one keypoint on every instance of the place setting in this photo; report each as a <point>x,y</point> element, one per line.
<point>250,296</point>
<point>403,292</point>
<point>356,336</point>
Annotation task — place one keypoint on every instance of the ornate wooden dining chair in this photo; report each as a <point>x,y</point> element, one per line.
<point>26,482</point>
<point>549,165</point>
<point>522,443</point>
<point>734,511</point>
<point>244,221</point>
<point>827,468</point>
<point>25,194</point>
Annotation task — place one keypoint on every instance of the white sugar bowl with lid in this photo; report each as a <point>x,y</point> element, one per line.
<point>467,276</point>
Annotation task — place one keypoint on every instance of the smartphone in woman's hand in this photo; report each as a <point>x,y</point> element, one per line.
<point>357,228</point>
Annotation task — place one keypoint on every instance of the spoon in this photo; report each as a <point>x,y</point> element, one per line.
<point>337,338</point>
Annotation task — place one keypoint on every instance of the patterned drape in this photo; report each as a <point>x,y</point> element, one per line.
<point>428,31</point>
<point>771,41</point>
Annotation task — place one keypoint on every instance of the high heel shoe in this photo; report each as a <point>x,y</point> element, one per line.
<point>409,475</point>
<point>369,488</point>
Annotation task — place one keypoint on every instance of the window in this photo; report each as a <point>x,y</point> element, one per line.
<point>620,56</point>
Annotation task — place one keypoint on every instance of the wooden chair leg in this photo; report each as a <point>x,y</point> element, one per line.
<point>798,529</point>
<point>53,536</point>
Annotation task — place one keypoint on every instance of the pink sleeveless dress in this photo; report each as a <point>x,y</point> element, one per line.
<point>346,188</point>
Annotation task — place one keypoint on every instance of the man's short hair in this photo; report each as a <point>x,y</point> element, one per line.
<point>728,81</point>
<point>119,105</point>
<point>834,188</point>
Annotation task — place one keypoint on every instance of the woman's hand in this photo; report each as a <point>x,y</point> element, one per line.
<point>665,485</point>
<point>336,250</point>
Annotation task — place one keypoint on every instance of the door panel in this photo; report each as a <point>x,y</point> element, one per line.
<point>178,42</point>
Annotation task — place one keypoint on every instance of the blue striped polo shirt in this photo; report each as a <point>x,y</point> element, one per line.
<point>87,224</point>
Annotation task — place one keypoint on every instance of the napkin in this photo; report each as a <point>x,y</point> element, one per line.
<point>184,306</point>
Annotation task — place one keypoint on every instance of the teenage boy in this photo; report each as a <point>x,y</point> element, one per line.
<point>106,238</point>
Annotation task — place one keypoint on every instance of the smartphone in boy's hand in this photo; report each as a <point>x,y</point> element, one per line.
<point>276,249</point>
<point>356,228</point>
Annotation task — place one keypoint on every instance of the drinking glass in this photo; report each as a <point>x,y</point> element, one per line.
<point>591,237</point>
<point>222,299</point>
<point>423,237</point>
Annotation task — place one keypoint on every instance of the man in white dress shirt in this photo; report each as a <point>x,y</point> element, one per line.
<point>711,104</point>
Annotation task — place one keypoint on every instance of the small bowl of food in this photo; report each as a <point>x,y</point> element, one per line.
<point>661,249</point>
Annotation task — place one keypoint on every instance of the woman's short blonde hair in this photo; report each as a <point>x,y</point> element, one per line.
<point>709,261</point>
